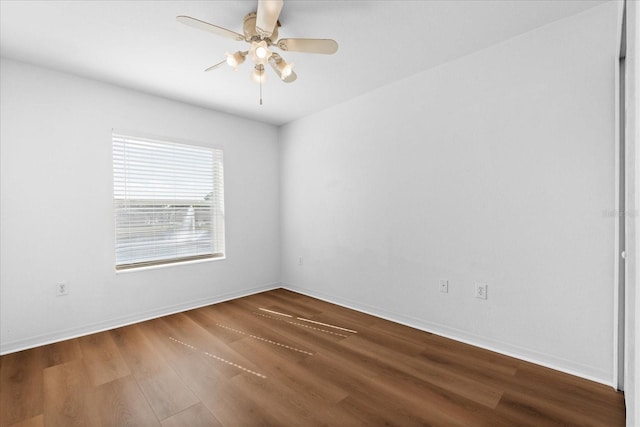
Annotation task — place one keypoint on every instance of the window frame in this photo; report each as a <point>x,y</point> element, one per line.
<point>217,214</point>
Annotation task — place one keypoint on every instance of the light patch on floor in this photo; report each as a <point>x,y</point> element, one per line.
<point>276,312</point>
<point>327,325</point>
<point>220,359</point>
<point>183,343</point>
<point>304,326</point>
<point>264,339</point>
<point>213,356</point>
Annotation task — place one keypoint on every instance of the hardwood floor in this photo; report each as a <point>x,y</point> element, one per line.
<point>284,359</point>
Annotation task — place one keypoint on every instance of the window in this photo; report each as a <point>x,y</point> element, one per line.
<point>169,202</point>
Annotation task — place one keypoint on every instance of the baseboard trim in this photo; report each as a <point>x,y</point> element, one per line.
<point>528,355</point>
<point>27,343</point>
<point>506,349</point>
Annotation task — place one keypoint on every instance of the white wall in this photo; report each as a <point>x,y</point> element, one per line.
<point>496,168</point>
<point>57,212</point>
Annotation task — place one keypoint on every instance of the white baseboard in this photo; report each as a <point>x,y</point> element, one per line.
<point>36,341</point>
<point>528,355</point>
<point>517,352</point>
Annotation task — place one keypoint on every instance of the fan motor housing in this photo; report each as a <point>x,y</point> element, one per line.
<point>250,32</point>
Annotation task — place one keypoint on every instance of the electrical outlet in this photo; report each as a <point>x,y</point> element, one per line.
<point>481,290</point>
<point>300,260</point>
<point>444,286</point>
<point>62,289</point>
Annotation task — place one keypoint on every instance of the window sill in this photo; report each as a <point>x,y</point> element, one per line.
<point>169,265</point>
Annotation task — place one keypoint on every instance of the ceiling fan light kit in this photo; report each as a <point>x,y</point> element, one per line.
<point>260,52</point>
<point>260,30</point>
<point>235,59</point>
<point>281,67</point>
<point>258,75</point>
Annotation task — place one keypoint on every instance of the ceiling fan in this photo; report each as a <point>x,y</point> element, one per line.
<point>260,30</point>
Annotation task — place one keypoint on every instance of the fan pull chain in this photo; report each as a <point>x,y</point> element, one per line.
<point>261,77</point>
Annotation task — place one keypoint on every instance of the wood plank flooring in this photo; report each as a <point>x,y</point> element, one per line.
<point>283,359</point>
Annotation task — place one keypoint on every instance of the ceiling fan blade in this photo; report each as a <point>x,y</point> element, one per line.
<point>324,46</point>
<point>267,16</point>
<point>213,67</point>
<point>196,23</point>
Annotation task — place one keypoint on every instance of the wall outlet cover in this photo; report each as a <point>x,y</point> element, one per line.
<point>62,289</point>
<point>481,290</point>
<point>444,286</point>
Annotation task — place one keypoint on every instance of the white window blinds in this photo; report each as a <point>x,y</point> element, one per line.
<point>169,201</point>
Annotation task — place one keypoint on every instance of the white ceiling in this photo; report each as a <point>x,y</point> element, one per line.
<point>140,45</point>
